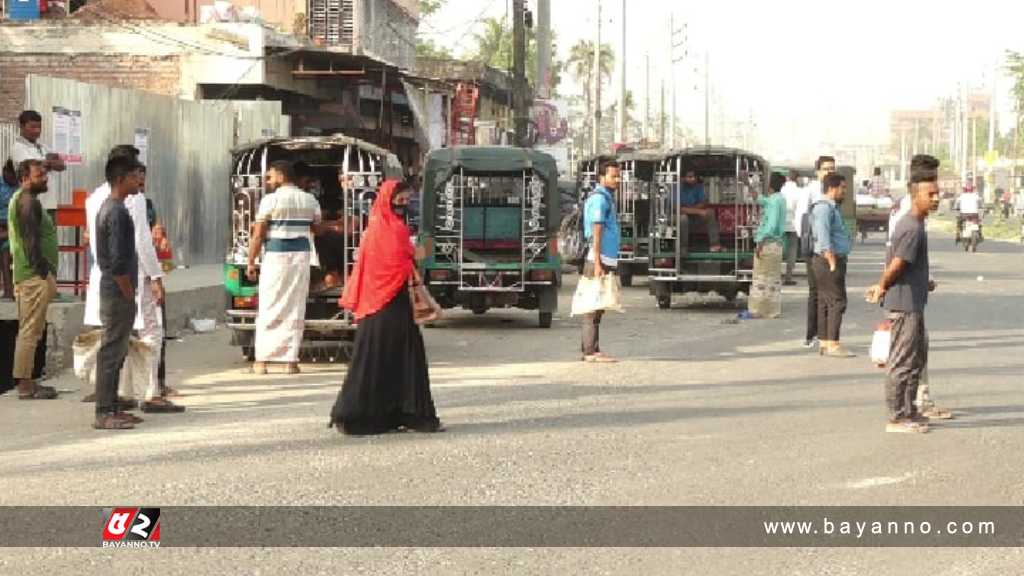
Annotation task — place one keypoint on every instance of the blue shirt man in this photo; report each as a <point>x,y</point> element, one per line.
<point>600,209</point>
<point>830,233</point>
<point>692,195</point>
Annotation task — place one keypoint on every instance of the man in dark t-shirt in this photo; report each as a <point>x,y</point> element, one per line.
<point>904,289</point>
<point>116,257</point>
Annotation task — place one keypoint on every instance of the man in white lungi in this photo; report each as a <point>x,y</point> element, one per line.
<point>148,298</point>
<point>284,226</point>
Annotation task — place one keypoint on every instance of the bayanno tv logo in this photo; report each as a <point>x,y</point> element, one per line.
<point>131,528</point>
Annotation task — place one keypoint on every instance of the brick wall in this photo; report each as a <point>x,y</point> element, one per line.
<point>158,74</point>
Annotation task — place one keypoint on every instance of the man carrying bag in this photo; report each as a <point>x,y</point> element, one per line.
<point>598,288</point>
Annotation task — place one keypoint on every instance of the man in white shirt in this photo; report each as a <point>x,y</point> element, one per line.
<point>150,295</point>
<point>27,147</point>
<point>812,194</point>
<point>284,226</point>
<point>968,204</point>
<point>792,192</point>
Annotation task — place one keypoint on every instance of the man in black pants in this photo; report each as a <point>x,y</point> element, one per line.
<point>831,248</point>
<point>905,285</point>
<point>812,194</point>
<point>118,261</point>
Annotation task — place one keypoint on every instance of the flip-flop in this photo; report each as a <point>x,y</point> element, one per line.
<point>40,393</point>
<point>112,422</point>
<point>594,358</point>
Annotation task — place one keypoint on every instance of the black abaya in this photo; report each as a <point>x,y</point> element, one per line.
<point>387,385</point>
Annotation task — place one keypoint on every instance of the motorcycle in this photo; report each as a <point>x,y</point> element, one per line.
<point>969,232</point>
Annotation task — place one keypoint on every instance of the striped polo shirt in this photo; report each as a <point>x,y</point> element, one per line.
<point>289,212</point>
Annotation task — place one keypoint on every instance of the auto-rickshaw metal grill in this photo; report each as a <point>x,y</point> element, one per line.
<point>480,273</point>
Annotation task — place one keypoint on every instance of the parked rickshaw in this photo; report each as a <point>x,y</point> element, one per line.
<point>346,173</point>
<point>730,178</point>
<point>489,225</point>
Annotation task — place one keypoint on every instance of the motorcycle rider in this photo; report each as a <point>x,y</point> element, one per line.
<point>969,207</point>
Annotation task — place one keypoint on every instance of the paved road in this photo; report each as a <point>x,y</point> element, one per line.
<point>702,411</point>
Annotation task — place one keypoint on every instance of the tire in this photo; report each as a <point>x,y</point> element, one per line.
<point>249,353</point>
<point>544,319</point>
<point>663,294</point>
<point>974,243</point>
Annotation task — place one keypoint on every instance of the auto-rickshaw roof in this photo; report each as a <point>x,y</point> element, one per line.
<point>490,159</point>
<point>311,142</point>
<point>641,156</point>
<point>714,151</point>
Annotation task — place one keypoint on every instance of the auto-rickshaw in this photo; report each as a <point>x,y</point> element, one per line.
<point>633,202</point>
<point>489,226</point>
<point>346,173</point>
<point>731,178</point>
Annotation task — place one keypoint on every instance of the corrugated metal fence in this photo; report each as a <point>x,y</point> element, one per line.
<point>188,156</point>
<point>7,134</point>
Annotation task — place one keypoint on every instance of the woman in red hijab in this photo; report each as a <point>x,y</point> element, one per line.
<point>387,386</point>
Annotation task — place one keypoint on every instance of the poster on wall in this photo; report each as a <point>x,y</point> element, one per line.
<point>142,143</point>
<point>67,135</point>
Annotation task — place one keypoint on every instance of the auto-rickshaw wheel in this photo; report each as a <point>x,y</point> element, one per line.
<point>249,353</point>
<point>545,319</point>
<point>663,294</point>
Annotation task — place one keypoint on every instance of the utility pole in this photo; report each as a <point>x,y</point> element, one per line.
<point>672,61</point>
<point>544,48</point>
<point>707,99</point>
<point>621,137</point>
<point>661,117</point>
<point>647,99</point>
<point>521,96</point>
<point>595,133</point>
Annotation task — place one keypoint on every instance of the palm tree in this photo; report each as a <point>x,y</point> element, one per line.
<point>581,65</point>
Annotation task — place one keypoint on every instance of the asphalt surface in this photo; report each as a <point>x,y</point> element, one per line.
<point>703,410</point>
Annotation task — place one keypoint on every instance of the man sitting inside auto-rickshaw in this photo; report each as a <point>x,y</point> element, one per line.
<point>694,209</point>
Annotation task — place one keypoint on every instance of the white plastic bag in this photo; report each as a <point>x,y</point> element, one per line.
<point>593,294</point>
<point>135,372</point>
<point>880,344</point>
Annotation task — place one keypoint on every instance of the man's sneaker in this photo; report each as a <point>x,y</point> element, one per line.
<point>906,427</point>
<point>811,343</point>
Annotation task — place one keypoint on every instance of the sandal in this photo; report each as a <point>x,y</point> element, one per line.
<point>600,358</point>
<point>292,369</point>
<point>164,407</point>
<point>171,392</point>
<point>40,393</point>
<point>112,422</point>
<point>937,414</point>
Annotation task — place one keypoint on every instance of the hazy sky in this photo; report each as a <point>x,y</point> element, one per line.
<point>806,71</point>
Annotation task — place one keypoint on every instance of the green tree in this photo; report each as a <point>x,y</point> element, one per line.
<point>426,48</point>
<point>494,47</point>
<point>581,65</point>
<point>1015,66</point>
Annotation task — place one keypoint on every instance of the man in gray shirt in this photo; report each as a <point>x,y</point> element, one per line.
<point>904,289</point>
<point>115,254</point>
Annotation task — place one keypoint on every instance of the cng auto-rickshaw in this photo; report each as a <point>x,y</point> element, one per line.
<point>633,203</point>
<point>345,174</point>
<point>489,226</point>
<point>730,178</point>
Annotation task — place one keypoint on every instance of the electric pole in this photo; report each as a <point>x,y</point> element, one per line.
<point>521,96</point>
<point>647,99</point>
<point>596,74</point>
<point>544,48</point>
<point>707,99</point>
<point>672,60</point>
<point>621,137</point>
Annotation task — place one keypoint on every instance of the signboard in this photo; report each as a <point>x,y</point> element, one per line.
<point>67,135</point>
